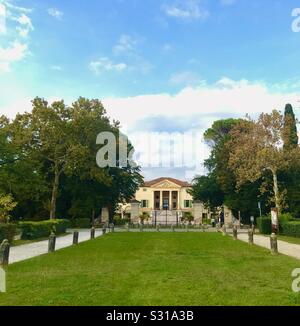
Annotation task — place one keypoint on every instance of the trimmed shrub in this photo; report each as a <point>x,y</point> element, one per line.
<point>118,221</point>
<point>291,229</point>
<point>264,225</point>
<point>80,223</point>
<point>36,230</point>
<point>7,231</point>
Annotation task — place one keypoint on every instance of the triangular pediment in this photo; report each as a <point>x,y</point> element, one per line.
<point>165,184</point>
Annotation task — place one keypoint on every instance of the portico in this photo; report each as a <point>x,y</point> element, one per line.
<point>165,199</point>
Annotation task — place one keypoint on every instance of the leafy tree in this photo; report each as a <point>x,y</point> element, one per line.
<point>290,134</point>
<point>62,141</point>
<point>207,189</point>
<point>219,186</point>
<point>256,148</point>
<point>291,178</point>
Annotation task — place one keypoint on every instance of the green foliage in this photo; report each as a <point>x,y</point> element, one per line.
<point>264,225</point>
<point>118,221</point>
<point>286,217</point>
<point>48,164</point>
<point>144,217</point>
<point>290,134</point>
<point>80,223</point>
<point>7,231</point>
<point>291,229</point>
<point>219,186</point>
<point>188,217</point>
<point>207,189</point>
<point>7,204</point>
<point>36,230</point>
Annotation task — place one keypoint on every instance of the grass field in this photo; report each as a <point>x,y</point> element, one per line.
<point>154,269</point>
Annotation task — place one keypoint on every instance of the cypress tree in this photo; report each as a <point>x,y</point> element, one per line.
<point>290,135</point>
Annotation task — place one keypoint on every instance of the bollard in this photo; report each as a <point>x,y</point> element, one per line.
<point>127,227</point>
<point>157,227</point>
<point>52,242</point>
<point>104,230</point>
<point>250,236</point>
<point>173,228</point>
<point>112,227</point>
<point>224,231</point>
<point>141,227</point>
<point>203,228</point>
<point>235,233</point>
<point>93,231</point>
<point>75,238</point>
<point>274,244</point>
<point>4,253</point>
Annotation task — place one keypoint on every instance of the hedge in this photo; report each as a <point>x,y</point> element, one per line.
<point>36,230</point>
<point>7,231</point>
<point>80,223</point>
<point>291,229</point>
<point>264,225</point>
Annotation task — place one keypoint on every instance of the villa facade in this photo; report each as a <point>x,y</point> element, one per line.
<point>165,200</point>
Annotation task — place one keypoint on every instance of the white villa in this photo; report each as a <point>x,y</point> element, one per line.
<point>165,200</point>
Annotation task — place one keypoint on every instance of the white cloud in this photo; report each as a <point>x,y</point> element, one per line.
<point>13,48</point>
<point>126,44</point>
<point>186,10</point>
<point>205,104</point>
<point>127,47</point>
<point>13,53</point>
<point>186,78</point>
<point>25,25</point>
<point>105,64</point>
<point>2,19</point>
<point>55,13</point>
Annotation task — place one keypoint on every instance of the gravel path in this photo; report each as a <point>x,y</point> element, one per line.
<point>289,249</point>
<point>34,249</point>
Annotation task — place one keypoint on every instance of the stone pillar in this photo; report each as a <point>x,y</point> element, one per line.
<point>4,253</point>
<point>198,210</point>
<point>235,232</point>
<point>224,231</point>
<point>161,200</point>
<point>112,227</point>
<point>251,236</point>
<point>228,217</point>
<point>93,233</point>
<point>135,211</point>
<point>104,215</point>
<point>274,244</point>
<point>52,242</point>
<point>75,238</point>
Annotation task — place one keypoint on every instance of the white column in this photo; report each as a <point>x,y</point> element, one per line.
<point>170,201</point>
<point>161,200</point>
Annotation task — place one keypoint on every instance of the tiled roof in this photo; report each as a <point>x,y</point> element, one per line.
<point>159,180</point>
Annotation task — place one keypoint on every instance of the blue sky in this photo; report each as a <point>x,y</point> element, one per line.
<point>168,65</point>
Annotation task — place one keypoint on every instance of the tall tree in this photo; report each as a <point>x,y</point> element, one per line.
<point>290,134</point>
<point>256,147</point>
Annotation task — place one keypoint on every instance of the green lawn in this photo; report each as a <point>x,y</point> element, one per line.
<point>154,269</point>
<point>289,239</point>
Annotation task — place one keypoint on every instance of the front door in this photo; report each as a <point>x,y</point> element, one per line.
<point>166,200</point>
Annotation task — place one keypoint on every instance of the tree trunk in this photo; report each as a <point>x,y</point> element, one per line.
<point>276,190</point>
<point>54,193</point>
